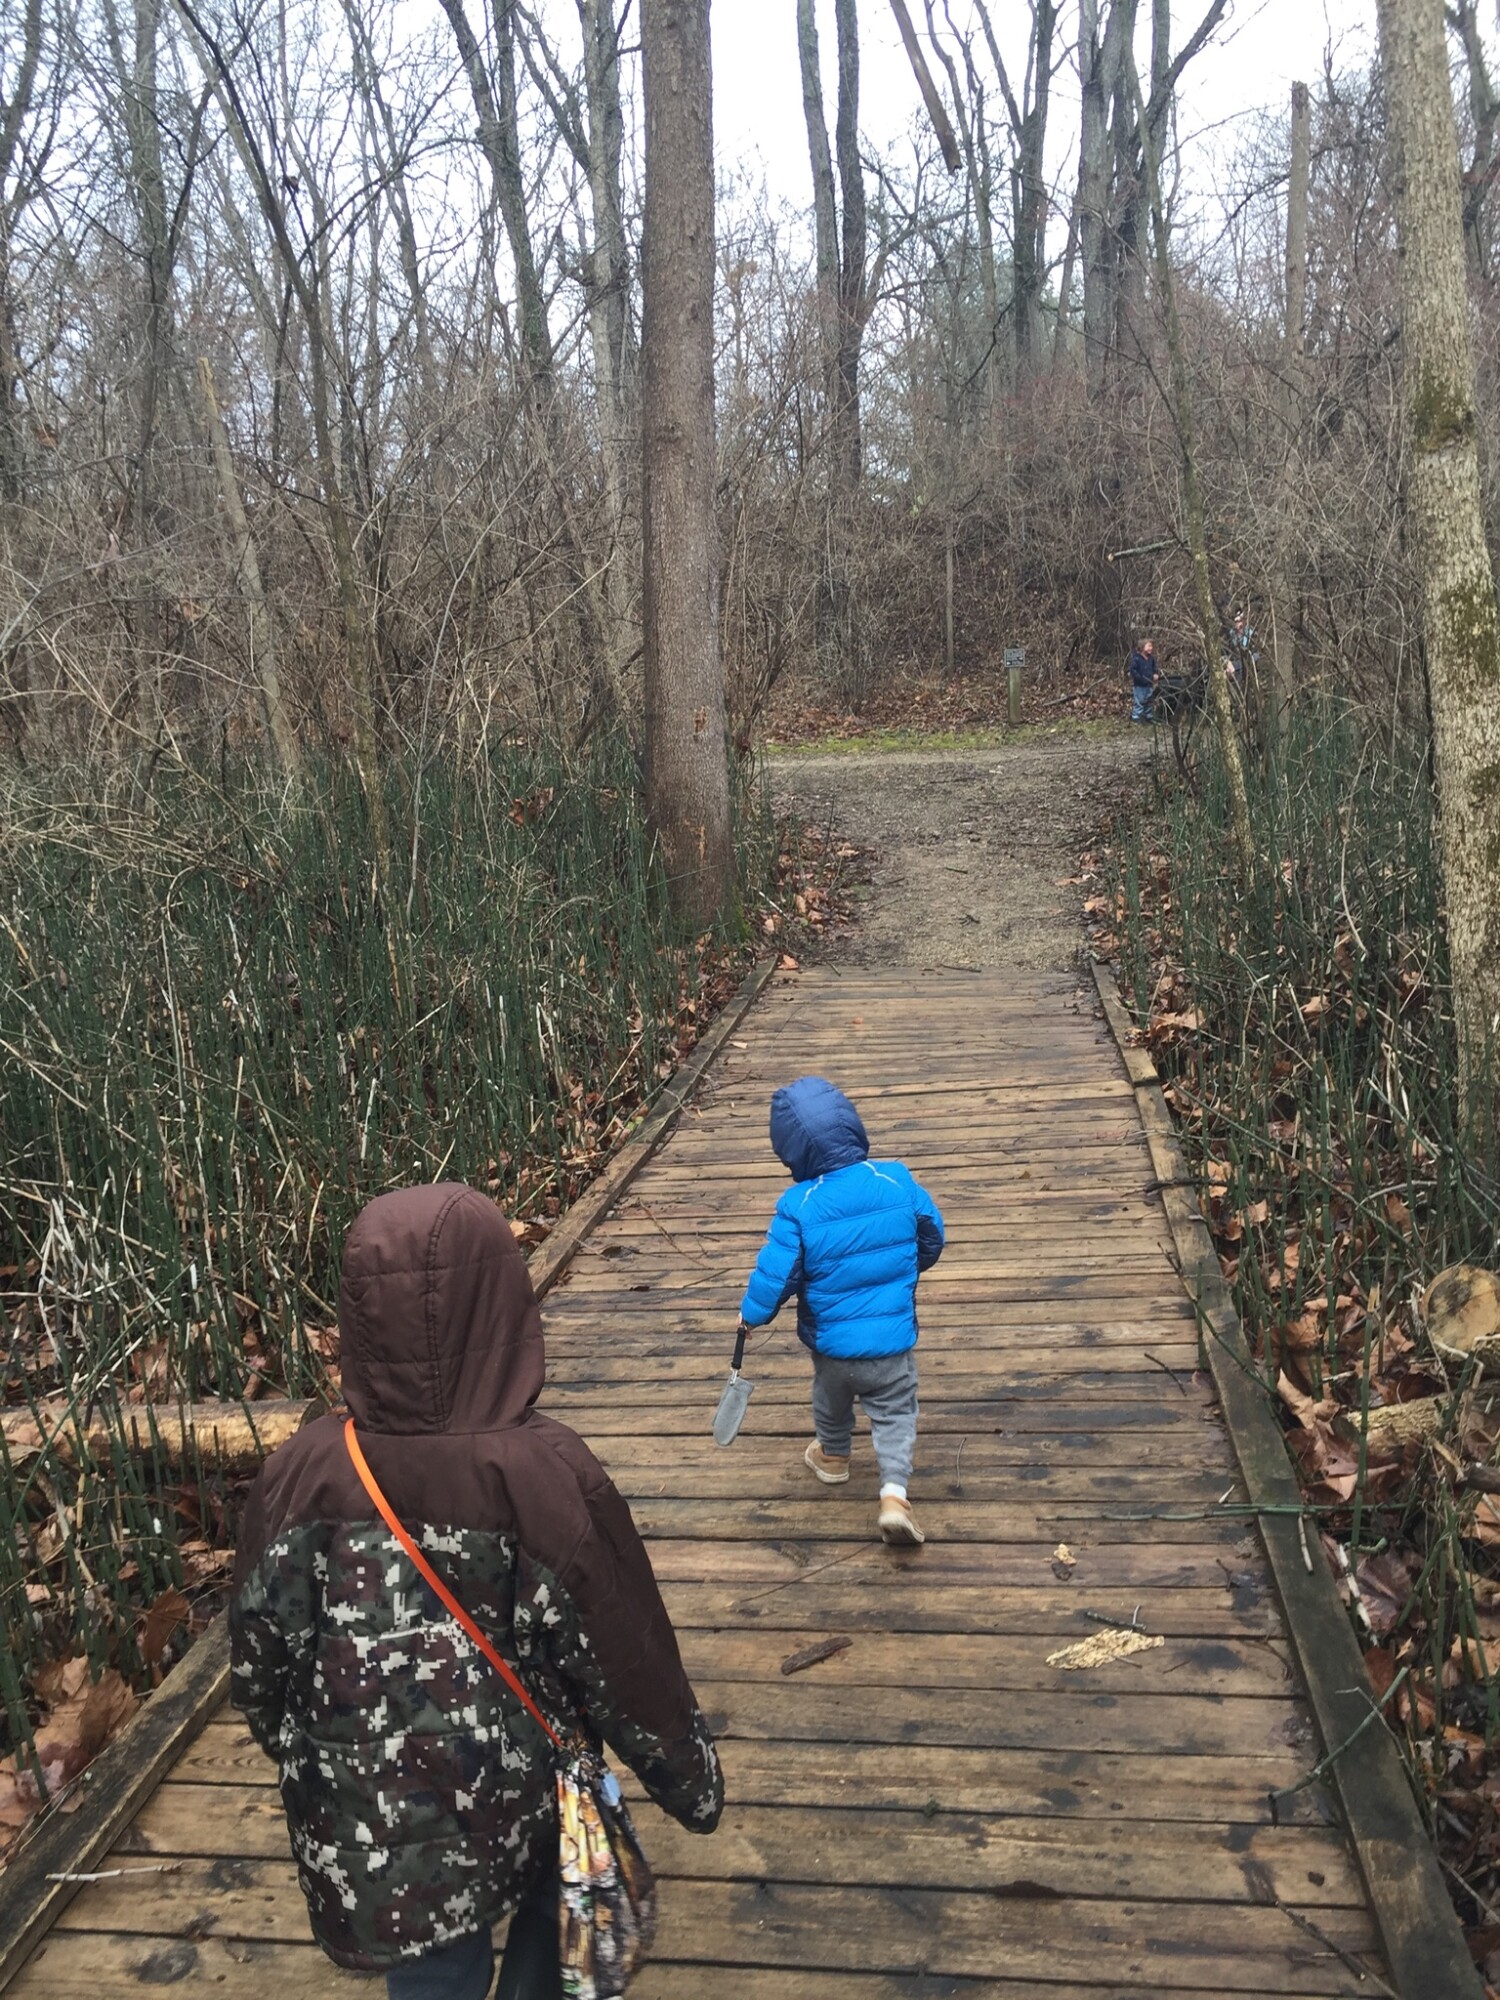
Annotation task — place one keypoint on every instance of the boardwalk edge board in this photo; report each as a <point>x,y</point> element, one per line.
<point>1418,1926</point>
<point>124,1775</point>
<point>554,1256</point>
<point>116,1785</point>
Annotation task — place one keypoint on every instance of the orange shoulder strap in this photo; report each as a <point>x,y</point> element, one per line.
<point>444,1595</point>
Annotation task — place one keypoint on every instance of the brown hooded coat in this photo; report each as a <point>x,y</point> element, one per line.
<point>418,1791</point>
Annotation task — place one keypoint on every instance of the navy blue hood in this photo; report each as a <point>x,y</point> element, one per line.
<point>815,1129</point>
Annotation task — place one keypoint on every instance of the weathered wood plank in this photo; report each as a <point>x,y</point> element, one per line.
<point>1246,1949</point>
<point>1112,1785</point>
<point>892,1847</point>
<point>113,1967</point>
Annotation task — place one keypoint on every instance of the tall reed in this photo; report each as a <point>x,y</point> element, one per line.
<point>1303,1023</point>
<point>221,1034</point>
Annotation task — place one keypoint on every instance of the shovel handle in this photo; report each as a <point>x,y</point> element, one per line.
<point>739,1347</point>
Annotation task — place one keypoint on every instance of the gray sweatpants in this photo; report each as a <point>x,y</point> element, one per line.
<point>886,1385</point>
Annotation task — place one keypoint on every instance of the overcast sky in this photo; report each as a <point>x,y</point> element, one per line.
<point>1261,48</point>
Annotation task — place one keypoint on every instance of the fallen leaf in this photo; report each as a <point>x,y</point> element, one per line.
<point>159,1621</point>
<point>1115,1643</point>
<point>1380,1665</point>
<point>1308,1413</point>
<point>83,1716</point>
<point>1384,1587</point>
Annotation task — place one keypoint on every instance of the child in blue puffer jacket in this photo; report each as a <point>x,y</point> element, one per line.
<point>850,1237</point>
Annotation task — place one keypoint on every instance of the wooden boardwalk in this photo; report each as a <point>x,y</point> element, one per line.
<point>934,1810</point>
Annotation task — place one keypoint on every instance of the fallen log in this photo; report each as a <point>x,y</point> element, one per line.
<point>1393,1425</point>
<point>231,1436</point>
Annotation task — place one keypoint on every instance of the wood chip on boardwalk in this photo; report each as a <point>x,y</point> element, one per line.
<point>1104,1648</point>
<point>809,1656</point>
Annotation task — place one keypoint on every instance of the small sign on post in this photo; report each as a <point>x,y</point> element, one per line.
<point>1015,659</point>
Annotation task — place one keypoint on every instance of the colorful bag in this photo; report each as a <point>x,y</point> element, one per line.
<point>606,1903</point>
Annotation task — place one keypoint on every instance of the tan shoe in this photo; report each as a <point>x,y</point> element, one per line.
<point>832,1471</point>
<point>898,1524</point>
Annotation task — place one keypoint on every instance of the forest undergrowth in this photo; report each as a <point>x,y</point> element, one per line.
<point>222,1033</point>
<point>1303,1027</point>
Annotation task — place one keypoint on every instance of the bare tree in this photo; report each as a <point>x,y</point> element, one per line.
<point>1484,112</point>
<point>1195,523</point>
<point>1284,590</point>
<point>1460,624</point>
<point>18,183</point>
<point>687,758</point>
<point>305,277</point>
<point>1029,191</point>
<point>845,296</point>
<point>263,650</point>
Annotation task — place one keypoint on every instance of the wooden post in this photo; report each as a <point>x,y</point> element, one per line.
<point>948,597</point>
<point>1013,697</point>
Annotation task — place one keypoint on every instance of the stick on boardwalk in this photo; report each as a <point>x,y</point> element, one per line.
<point>934,1809</point>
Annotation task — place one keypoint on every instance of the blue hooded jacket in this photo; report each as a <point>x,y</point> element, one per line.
<point>849,1237</point>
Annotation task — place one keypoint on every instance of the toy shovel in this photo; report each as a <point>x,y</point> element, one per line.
<point>736,1397</point>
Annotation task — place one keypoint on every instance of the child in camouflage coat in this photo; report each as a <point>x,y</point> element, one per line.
<point>418,1791</point>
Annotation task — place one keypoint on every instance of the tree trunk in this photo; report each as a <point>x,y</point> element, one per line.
<point>1029,254</point>
<point>1460,627</point>
<point>1484,109</point>
<point>848,441</point>
<point>14,113</point>
<point>839,208</point>
<point>1099,56</point>
<point>931,96</point>
<point>611,331</point>
<point>974,126</point>
<point>687,762</point>
<point>1284,602</point>
<point>499,140</point>
<point>247,568</point>
<point>1194,518</point>
<point>304,281</point>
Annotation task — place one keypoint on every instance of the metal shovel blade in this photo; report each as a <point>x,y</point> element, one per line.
<point>732,1407</point>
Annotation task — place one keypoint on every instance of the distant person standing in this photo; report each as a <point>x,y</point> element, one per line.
<point>1143,681</point>
<point>1242,654</point>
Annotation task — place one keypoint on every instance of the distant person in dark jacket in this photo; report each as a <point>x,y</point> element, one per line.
<point>1143,680</point>
<point>849,1239</point>
<point>419,1793</point>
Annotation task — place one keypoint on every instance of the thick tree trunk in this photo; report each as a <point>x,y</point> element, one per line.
<point>687,761</point>
<point>1460,625</point>
<point>1284,601</point>
<point>1101,52</point>
<point>1099,59</point>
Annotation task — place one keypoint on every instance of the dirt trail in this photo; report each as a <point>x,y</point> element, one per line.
<point>972,846</point>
